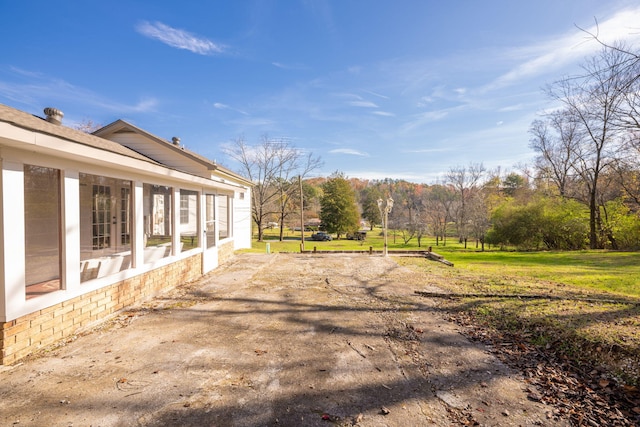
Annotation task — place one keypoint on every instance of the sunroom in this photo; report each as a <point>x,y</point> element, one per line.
<point>89,226</point>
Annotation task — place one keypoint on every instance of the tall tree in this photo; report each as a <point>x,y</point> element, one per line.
<point>593,102</point>
<point>295,166</point>
<point>439,206</point>
<point>369,202</point>
<point>339,213</point>
<point>465,181</point>
<point>406,206</point>
<point>270,165</point>
<point>555,140</point>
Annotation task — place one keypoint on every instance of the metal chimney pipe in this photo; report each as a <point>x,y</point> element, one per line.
<point>54,115</point>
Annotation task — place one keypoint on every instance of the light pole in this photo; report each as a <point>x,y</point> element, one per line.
<point>384,213</point>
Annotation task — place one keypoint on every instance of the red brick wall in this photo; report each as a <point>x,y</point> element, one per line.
<point>24,335</point>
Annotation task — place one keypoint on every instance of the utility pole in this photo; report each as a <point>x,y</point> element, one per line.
<point>301,215</point>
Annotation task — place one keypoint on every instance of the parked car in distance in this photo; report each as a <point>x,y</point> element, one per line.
<point>321,236</point>
<point>358,235</point>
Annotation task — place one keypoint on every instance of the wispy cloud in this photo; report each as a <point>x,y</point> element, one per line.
<point>26,73</point>
<point>383,113</point>
<point>379,95</point>
<point>422,119</point>
<point>428,150</point>
<point>365,104</point>
<point>179,39</point>
<point>144,105</point>
<point>289,67</point>
<point>221,106</point>
<point>349,151</point>
<point>41,88</point>
<point>553,55</point>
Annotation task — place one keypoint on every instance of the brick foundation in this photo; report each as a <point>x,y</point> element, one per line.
<point>225,252</point>
<point>22,336</point>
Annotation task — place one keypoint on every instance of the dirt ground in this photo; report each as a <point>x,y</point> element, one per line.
<point>275,340</point>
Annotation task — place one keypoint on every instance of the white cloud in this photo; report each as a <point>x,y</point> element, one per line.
<point>509,108</point>
<point>422,119</point>
<point>554,54</point>
<point>383,113</point>
<point>179,38</point>
<point>428,150</point>
<point>348,151</point>
<point>365,104</point>
<point>289,67</point>
<point>379,95</point>
<point>146,104</point>
<point>42,88</point>
<point>221,106</point>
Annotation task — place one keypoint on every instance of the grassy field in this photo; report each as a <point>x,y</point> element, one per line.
<point>578,321</point>
<point>615,272</point>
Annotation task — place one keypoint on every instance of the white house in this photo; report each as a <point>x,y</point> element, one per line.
<point>92,223</point>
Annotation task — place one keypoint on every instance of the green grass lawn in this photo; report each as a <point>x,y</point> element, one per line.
<point>616,272</point>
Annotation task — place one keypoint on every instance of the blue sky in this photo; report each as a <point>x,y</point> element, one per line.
<point>401,89</point>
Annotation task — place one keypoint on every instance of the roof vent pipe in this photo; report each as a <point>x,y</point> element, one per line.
<point>176,141</point>
<point>54,115</point>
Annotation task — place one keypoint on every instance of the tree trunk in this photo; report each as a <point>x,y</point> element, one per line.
<point>282,225</point>
<point>259,224</point>
<point>593,235</point>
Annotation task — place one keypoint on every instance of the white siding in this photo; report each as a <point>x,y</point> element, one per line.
<point>242,219</point>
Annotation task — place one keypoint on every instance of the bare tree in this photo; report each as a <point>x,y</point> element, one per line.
<point>295,166</point>
<point>439,207</point>
<point>593,102</point>
<point>465,182</point>
<point>270,165</point>
<point>555,140</point>
<point>87,126</point>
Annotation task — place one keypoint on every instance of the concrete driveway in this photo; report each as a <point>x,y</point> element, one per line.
<point>274,340</point>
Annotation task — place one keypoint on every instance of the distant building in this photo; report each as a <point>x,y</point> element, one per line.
<point>93,223</point>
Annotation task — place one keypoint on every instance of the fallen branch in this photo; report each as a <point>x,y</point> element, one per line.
<point>356,350</point>
<point>523,296</point>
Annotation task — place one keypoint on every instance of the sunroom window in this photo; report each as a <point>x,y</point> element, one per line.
<point>210,220</point>
<point>189,215</point>
<point>224,213</point>
<point>105,226</point>
<point>42,221</point>
<point>157,221</point>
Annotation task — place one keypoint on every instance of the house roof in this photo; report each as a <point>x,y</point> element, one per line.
<point>96,140</point>
<point>121,125</point>
<point>31,122</point>
<point>124,126</point>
